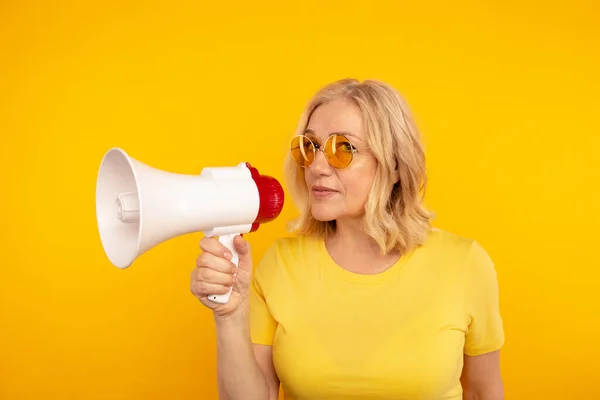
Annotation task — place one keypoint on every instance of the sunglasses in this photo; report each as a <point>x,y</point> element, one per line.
<point>338,151</point>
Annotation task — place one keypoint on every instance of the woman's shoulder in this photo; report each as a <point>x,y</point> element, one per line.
<point>294,245</point>
<point>440,237</point>
<point>286,258</point>
<point>288,250</point>
<point>448,243</point>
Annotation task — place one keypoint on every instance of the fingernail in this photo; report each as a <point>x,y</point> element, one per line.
<point>227,255</point>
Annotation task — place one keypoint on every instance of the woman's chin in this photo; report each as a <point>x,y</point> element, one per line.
<point>323,215</point>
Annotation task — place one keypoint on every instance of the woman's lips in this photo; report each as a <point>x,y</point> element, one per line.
<point>323,192</point>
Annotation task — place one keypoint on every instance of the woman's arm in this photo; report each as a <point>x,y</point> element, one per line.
<point>239,366</point>
<point>244,371</point>
<point>481,379</point>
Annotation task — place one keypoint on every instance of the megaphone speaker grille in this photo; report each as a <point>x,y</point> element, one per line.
<point>118,208</point>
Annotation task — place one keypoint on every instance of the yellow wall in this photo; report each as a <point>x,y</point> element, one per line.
<point>506,95</point>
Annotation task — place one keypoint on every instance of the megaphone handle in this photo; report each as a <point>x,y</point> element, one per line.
<point>227,241</point>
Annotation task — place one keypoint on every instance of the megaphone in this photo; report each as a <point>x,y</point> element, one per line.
<point>139,206</point>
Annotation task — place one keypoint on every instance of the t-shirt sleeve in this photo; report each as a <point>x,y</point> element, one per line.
<point>262,323</point>
<point>485,332</point>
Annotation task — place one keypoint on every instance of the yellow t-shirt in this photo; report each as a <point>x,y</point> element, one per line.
<point>400,334</point>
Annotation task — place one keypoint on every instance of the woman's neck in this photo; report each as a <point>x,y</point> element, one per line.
<point>354,250</point>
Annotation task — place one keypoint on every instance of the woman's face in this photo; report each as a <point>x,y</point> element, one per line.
<point>339,194</point>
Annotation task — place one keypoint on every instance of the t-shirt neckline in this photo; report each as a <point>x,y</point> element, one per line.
<point>358,278</point>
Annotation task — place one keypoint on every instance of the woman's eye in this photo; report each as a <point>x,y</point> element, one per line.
<point>311,141</point>
<point>345,146</point>
<point>314,143</point>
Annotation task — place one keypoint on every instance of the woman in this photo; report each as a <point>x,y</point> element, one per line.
<point>367,301</point>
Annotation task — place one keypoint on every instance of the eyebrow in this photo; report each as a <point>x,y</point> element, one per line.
<point>333,133</point>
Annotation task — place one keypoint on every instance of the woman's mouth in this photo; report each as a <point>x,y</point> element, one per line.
<point>322,192</point>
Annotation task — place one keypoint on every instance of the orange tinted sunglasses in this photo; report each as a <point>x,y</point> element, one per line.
<point>338,151</point>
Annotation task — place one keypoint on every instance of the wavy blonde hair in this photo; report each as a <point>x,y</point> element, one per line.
<point>394,213</point>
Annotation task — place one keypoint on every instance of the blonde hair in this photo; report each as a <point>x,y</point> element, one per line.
<point>394,214</point>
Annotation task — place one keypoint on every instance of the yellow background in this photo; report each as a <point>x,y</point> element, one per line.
<point>506,95</point>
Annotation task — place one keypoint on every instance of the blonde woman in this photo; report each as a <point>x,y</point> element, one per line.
<point>367,300</point>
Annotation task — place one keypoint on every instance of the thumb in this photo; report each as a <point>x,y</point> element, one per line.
<point>242,247</point>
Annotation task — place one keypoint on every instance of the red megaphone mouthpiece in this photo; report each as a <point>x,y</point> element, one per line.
<point>271,197</point>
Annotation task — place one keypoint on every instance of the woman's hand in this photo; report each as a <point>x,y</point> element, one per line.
<point>215,274</point>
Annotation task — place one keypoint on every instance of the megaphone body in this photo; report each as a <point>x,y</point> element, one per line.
<point>138,206</point>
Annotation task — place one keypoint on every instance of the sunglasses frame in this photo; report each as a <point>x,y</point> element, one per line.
<point>317,147</point>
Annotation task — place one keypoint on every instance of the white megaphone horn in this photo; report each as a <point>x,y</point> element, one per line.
<point>138,206</point>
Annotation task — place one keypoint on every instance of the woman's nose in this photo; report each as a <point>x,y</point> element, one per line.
<point>320,164</point>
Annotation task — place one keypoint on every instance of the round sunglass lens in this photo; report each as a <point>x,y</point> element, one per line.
<point>303,150</point>
<point>339,151</point>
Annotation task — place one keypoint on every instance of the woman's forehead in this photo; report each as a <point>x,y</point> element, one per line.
<point>337,117</point>
<point>350,135</point>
